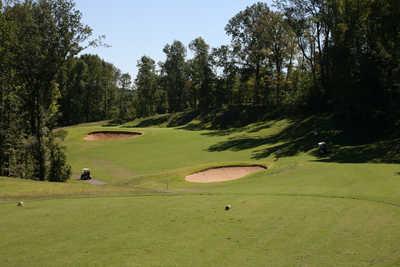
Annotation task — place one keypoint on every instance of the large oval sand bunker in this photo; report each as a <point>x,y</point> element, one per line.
<point>221,174</point>
<point>110,135</point>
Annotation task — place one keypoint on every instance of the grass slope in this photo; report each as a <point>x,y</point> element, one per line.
<point>303,211</point>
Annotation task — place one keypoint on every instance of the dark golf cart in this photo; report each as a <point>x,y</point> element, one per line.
<point>322,148</point>
<point>85,174</point>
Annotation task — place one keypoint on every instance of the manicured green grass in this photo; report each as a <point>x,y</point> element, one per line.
<point>302,211</point>
<point>196,231</point>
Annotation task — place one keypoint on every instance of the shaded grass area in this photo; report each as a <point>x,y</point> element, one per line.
<point>166,120</point>
<point>302,136</point>
<point>230,117</point>
<point>347,143</point>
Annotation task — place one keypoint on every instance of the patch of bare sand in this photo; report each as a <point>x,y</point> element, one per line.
<point>110,135</point>
<point>222,174</point>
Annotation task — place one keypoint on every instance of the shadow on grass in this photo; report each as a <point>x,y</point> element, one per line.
<point>387,151</point>
<point>303,135</point>
<point>233,119</point>
<point>168,120</point>
<point>182,118</point>
<point>153,121</point>
<point>347,144</point>
<point>224,120</point>
<point>250,129</point>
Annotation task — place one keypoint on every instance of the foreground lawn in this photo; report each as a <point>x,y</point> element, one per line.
<point>302,211</point>
<point>196,231</point>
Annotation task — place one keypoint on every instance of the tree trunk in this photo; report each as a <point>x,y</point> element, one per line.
<point>41,164</point>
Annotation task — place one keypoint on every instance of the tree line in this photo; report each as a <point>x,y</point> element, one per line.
<point>38,40</point>
<point>46,82</point>
<point>303,56</point>
<point>337,56</point>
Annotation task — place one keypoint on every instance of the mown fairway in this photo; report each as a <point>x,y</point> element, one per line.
<point>302,211</point>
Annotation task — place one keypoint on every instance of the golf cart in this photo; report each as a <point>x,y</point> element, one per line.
<point>322,148</point>
<point>85,174</point>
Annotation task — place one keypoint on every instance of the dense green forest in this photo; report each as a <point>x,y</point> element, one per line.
<point>301,56</point>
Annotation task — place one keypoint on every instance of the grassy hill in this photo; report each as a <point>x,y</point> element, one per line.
<point>305,210</point>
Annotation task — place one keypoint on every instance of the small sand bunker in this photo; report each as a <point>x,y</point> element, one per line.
<point>110,135</point>
<point>222,174</point>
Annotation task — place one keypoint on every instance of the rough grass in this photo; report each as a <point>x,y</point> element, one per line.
<point>303,211</point>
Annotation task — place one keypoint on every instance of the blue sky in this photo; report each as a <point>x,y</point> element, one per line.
<point>135,28</point>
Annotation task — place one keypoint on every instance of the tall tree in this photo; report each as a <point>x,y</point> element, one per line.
<point>224,63</point>
<point>146,87</point>
<point>125,98</point>
<point>174,76</point>
<point>202,75</point>
<point>309,21</point>
<point>249,43</point>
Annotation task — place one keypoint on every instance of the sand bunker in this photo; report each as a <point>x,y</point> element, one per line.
<point>222,174</point>
<point>110,135</point>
